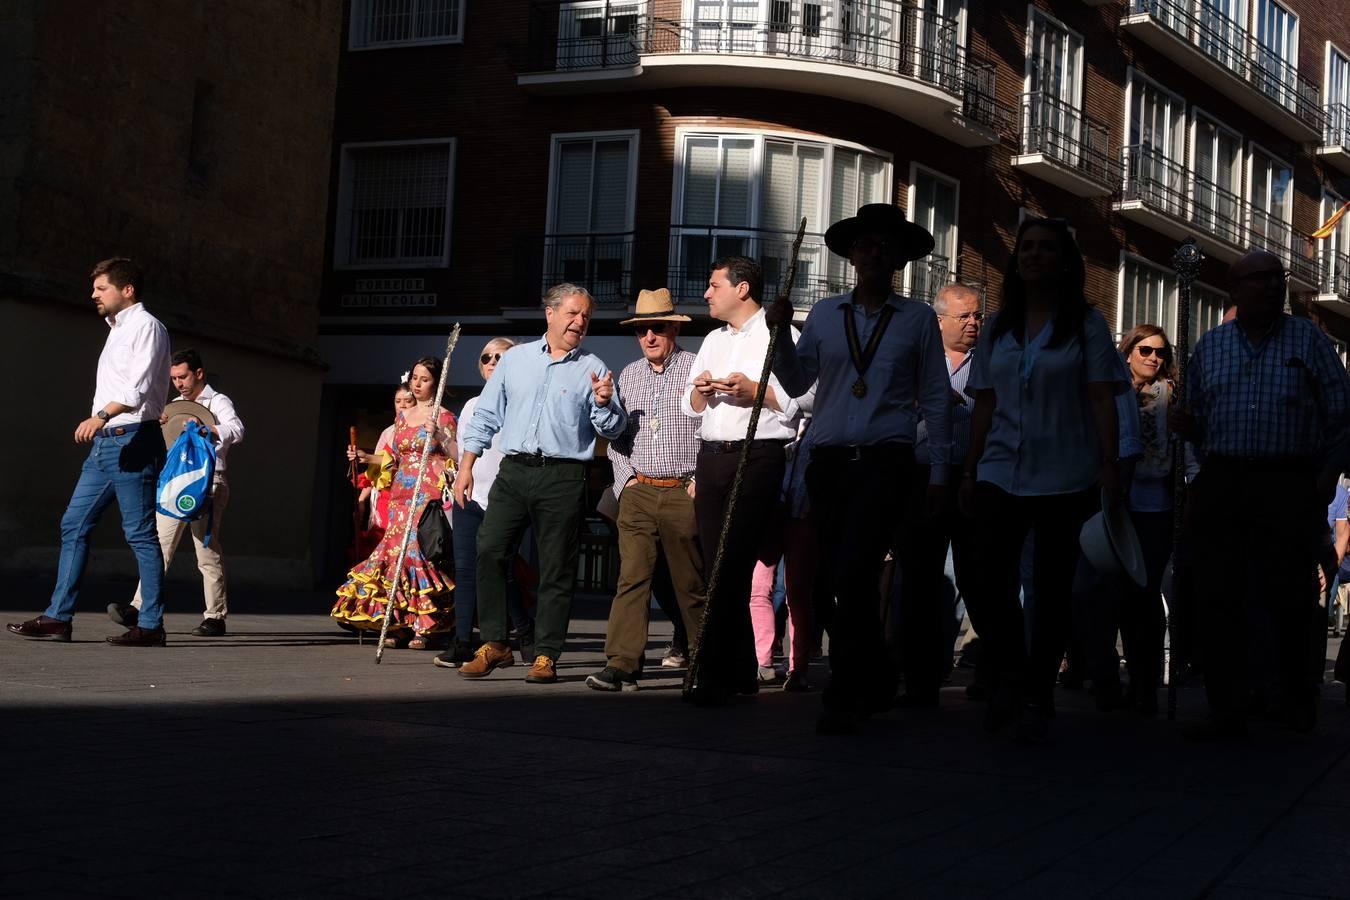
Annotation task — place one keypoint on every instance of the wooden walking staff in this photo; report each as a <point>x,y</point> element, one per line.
<point>785,292</point>
<point>433,422</point>
<point>1186,261</point>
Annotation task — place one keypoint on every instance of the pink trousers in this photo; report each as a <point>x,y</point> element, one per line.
<point>792,541</point>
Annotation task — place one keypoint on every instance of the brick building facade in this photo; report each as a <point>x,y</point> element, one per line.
<point>196,139</point>
<point>483,151</point>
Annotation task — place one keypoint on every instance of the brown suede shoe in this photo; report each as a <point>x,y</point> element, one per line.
<point>486,659</point>
<point>542,672</point>
<point>42,629</point>
<point>139,637</point>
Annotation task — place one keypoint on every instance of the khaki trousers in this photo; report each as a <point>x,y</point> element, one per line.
<point>209,561</point>
<point>653,520</point>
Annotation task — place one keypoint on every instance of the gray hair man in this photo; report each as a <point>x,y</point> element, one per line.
<point>548,400</point>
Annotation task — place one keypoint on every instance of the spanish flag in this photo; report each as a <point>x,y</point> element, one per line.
<point>1329,225</point>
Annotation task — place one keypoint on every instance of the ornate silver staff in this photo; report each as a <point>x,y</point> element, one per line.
<point>1186,261</point>
<point>433,421</point>
<point>784,293</point>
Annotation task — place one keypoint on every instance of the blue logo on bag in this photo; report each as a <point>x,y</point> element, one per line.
<point>184,490</point>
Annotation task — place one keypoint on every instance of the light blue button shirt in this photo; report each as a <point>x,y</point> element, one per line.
<point>1043,439</point>
<point>960,415</point>
<point>544,405</point>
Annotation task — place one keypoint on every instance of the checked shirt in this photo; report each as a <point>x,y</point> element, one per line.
<point>665,450</point>
<point>1287,397</point>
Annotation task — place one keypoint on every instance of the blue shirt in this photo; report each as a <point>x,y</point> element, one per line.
<point>544,405</point>
<point>960,414</point>
<point>1287,396</point>
<point>908,375</point>
<point>1043,439</point>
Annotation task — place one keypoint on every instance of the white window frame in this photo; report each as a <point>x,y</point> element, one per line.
<point>1173,295</point>
<point>342,229</point>
<point>1076,100</point>
<point>360,5</point>
<point>1330,202</point>
<point>1133,75</point>
<point>1253,148</point>
<point>914,170</point>
<point>1252,13</point>
<point>634,137</point>
<point>1239,175</point>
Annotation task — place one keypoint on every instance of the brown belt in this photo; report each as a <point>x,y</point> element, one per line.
<point>661,482</point>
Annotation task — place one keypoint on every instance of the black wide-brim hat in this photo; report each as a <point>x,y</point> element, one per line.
<point>914,241</point>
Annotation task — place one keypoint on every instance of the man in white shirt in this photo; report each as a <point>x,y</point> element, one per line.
<point>125,457</point>
<point>189,378</point>
<point>720,392</point>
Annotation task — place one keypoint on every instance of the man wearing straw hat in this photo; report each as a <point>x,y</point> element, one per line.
<point>654,463</point>
<point>878,362</point>
<point>548,399</point>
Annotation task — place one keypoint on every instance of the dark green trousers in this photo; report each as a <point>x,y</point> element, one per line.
<point>550,498</point>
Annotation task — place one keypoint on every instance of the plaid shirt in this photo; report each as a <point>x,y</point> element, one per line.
<point>1287,397</point>
<point>651,397</point>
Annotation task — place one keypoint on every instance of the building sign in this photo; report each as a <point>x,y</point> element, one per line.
<point>389,293</point>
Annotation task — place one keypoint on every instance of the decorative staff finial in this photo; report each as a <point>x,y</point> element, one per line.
<point>1186,261</point>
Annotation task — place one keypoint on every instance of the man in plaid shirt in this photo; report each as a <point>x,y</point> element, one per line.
<point>653,462</point>
<point>1268,408</point>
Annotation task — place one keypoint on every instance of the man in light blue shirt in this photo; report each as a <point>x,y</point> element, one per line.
<point>548,399</point>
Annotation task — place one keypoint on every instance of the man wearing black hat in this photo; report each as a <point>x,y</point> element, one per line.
<point>877,361</point>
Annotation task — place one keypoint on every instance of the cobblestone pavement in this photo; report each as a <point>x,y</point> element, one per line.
<point>281,761</point>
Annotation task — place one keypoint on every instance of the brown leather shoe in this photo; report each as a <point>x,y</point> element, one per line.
<point>542,672</point>
<point>42,629</point>
<point>486,659</point>
<point>139,637</point>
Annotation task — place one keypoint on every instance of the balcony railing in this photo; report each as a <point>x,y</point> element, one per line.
<point>889,36</point>
<point>1232,46</point>
<point>928,275</point>
<point>601,263</point>
<point>1065,135</point>
<point>1335,274</point>
<point>1336,131</point>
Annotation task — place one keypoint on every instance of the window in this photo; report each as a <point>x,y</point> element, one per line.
<point>1271,194</point>
<point>743,193</point>
<point>384,23</point>
<point>933,200</point>
<point>590,213</point>
<point>1217,163</point>
<point>1338,98</point>
<point>596,33</point>
<point>1223,30</point>
<point>1154,142</point>
<point>395,204</point>
<point>1149,296</point>
<point>1052,122</point>
<point>1335,249</point>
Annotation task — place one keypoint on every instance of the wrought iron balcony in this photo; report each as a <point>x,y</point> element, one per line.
<point>1335,147</point>
<point>1209,43</point>
<point>601,263</point>
<point>1065,147</point>
<point>1178,202</point>
<point>928,275</point>
<point>815,48</point>
<point>1334,272</point>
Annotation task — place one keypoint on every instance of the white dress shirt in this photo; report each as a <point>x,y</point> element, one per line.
<point>729,350</point>
<point>133,368</point>
<point>487,464</point>
<point>229,427</point>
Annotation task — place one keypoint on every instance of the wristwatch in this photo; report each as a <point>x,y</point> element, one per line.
<point>103,414</point>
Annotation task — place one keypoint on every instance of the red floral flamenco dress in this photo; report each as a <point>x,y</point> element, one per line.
<point>425,604</point>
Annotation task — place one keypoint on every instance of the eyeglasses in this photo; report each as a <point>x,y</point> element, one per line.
<point>1266,276</point>
<point>964,317</point>
<point>657,328</point>
<point>1146,351</point>
<point>489,358</point>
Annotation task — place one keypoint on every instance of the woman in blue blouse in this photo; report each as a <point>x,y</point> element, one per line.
<point>1043,447</point>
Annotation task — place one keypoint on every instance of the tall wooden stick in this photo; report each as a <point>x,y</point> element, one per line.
<point>433,422</point>
<point>1186,261</point>
<point>714,575</point>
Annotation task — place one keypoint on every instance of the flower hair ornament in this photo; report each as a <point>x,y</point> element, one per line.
<point>403,379</point>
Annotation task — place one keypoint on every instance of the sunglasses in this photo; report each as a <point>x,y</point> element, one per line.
<point>489,358</point>
<point>657,328</point>
<point>1146,351</point>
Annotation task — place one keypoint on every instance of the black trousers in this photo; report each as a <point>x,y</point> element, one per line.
<point>1002,523</point>
<point>727,654</point>
<point>1257,529</point>
<point>854,504</point>
<point>927,607</point>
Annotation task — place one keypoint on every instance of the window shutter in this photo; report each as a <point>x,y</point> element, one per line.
<point>572,188</point>
<point>700,182</point>
<point>779,190</point>
<point>844,185</point>
<point>610,211</point>
<point>733,205</point>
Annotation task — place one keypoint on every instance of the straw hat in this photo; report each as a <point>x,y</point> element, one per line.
<point>655,306</point>
<point>1110,543</point>
<point>913,241</point>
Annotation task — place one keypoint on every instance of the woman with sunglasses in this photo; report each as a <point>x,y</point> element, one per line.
<point>1149,356</point>
<point>1043,448</point>
<point>464,522</point>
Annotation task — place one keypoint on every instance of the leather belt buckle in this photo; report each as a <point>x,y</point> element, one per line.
<point>119,431</point>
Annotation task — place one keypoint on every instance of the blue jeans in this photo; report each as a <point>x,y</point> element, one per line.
<point>125,467</point>
<point>464,524</point>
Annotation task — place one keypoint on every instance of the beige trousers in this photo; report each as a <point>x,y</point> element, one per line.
<point>209,561</point>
